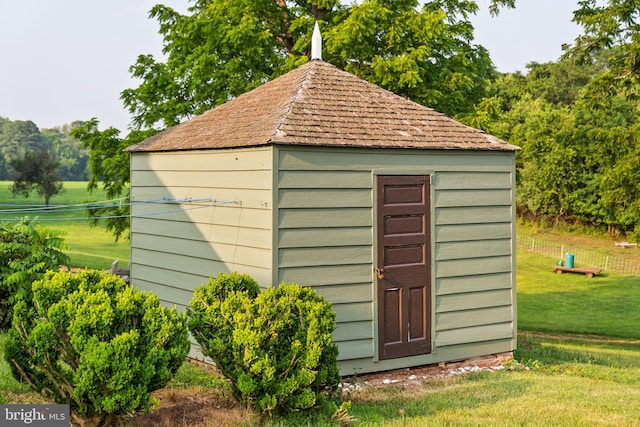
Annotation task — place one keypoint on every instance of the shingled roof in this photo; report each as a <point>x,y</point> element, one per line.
<point>318,104</point>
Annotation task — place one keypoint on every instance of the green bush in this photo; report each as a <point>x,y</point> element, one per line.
<point>27,251</point>
<point>274,345</point>
<point>96,343</point>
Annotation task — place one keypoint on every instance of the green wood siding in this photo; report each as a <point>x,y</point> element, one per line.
<point>306,215</point>
<point>325,222</point>
<point>226,227</point>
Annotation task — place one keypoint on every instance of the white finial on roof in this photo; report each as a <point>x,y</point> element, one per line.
<point>316,43</point>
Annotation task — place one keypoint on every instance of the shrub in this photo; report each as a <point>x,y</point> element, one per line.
<point>273,345</point>
<point>27,251</point>
<point>96,343</point>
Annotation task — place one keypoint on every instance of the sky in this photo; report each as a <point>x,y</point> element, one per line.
<point>68,60</point>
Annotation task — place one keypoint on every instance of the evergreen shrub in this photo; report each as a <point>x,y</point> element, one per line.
<point>96,343</point>
<point>273,345</point>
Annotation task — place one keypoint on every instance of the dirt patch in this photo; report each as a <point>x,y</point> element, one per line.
<point>204,407</point>
<point>194,408</point>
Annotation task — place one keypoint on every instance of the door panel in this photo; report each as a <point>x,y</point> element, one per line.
<point>403,264</point>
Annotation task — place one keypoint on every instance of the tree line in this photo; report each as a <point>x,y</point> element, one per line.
<point>40,159</point>
<point>576,118</point>
<point>19,137</point>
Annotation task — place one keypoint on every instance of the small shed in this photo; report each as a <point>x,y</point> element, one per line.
<point>401,217</point>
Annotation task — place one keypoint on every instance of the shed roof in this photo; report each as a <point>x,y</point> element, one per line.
<point>318,104</point>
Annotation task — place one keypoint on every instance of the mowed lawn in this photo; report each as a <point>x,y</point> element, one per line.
<point>577,362</point>
<point>88,246</point>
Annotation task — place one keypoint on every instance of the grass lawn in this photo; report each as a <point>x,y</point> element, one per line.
<point>579,354</point>
<point>578,348</point>
<point>88,246</point>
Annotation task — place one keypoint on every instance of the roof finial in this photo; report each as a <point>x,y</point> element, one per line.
<point>316,43</point>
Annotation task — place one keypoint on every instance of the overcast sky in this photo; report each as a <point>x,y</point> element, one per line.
<point>68,60</point>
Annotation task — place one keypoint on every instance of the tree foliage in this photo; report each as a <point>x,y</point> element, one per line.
<point>27,251</point>
<point>223,48</point>
<point>20,137</point>
<point>579,141</point>
<point>36,170</point>
<point>109,166</point>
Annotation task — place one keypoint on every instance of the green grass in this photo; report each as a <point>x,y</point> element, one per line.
<point>579,348</point>
<point>607,304</point>
<point>88,246</point>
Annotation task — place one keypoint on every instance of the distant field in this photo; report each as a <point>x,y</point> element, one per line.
<point>89,247</point>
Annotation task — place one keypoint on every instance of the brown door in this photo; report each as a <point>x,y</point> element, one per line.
<point>403,267</point>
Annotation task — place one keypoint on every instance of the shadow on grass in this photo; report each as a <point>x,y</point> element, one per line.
<point>460,394</point>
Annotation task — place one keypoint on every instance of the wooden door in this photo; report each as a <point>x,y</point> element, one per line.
<point>403,266</point>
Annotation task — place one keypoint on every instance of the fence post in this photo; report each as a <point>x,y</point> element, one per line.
<point>606,262</point>
<point>562,252</point>
<point>533,244</point>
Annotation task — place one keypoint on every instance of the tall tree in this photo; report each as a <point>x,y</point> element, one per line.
<point>17,138</point>
<point>36,170</point>
<point>223,48</point>
<point>73,158</point>
<point>109,166</point>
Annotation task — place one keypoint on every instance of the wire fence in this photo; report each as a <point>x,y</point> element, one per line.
<point>583,257</point>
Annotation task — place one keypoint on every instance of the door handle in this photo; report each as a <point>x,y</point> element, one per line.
<point>379,273</point>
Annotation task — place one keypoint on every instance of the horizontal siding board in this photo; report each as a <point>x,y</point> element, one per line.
<point>202,266</point>
<point>472,215</point>
<point>473,301</point>
<point>475,334</point>
<point>353,312</point>
<point>155,277</point>
<point>204,160</point>
<point>469,284</point>
<point>321,179</point>
<point>342,294</point>
<point>219,214</point>
<point>323,218</point>
<point>249,198</point>
<point>457,233</point>
<point>478,266</point>
<point>393,161</point>
<point>157,243</point>
<point>350,350</point>
<point>353,331</point>
<point>474,249</point>
<point>172,296</point>
<point>472,180</point>
<point>458,198</point>
<point>202,232</point>
<point>324,198</point>
<point>470,318</point>
<point>318,237</point>
<point>209,179</point>
<point>327,275</point>
<point>327,255</point>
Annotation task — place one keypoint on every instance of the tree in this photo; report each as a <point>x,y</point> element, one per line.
<point>17,138</point>
<point>224,48</point>
<point>68,151</point>
<point>109,166</point>
<point>36,170</point>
